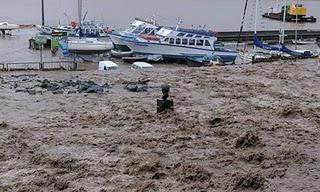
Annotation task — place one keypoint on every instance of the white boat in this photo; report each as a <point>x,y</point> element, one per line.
<point>8,26</point>
<point>48,30</point>
<point>89,45</point>
<point>179,44</point>
<point>5,26</point>
<point>137,27</point>
<point>304,42</point>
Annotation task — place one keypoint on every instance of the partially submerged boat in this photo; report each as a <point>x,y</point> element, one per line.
<point>293,13</point>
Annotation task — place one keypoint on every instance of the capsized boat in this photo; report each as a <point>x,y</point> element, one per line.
<point>175,44</point>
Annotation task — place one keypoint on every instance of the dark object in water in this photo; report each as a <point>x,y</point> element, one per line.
<point>134,59</point>
<point>164,104</point>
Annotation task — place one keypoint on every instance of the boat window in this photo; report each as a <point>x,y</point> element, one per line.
<point>166,39</point>
<point>178,41</point>
<point>138,29</point>
<point>180,34</point>
<point>207,43</point>
<point>189,35</point>
<point>184,41</point>
<point>171,41</point>
<point>152,32</point>
<point>200,42</point>
<point>148,30</point>
<point>191,41</point>
<point>198,36</point>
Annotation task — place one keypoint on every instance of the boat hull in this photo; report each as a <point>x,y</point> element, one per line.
<point>118,42</point>
<point>169,51</point>
<point>83,46</point>
<point>290,18</point>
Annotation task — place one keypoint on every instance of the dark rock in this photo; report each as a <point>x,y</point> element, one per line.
<point>131,87</point>
<point>72,92</point>
<point>57,92</point>
<point>95,89</point>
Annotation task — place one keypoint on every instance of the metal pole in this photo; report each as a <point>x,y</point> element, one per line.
<point>42,11</point>
<point>255,22</point>
<point>284,20</point>
<point>296,32</point>
<point>41,62</point>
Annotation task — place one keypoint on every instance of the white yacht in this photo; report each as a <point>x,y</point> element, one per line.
<point>179,44</point>
<point>137,27</point>
<point>5,26</point>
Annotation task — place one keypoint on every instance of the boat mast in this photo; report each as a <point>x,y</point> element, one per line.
<point>42,12</point>
<point>255,23</point>
<point>80,11</point>
<point>296,32</point>
<point>284,20</point>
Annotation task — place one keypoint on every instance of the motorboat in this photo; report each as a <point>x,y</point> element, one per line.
<point>293,13</point>
<point>90,29</point>
<point>5,26</point>
<point>137,27</point>
<point>89,46</point>
<point>176,44</point>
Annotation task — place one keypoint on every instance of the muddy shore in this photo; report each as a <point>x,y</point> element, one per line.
<point>234,128</point>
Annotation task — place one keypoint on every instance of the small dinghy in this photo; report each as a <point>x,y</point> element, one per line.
<point>134,59</point>
<point>120,54</point>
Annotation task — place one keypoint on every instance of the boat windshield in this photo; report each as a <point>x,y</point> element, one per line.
<point>131,28</point>
<point>139,29</point>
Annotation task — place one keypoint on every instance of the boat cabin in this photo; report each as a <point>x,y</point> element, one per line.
<point>139,26</point>
<point>186,39</point>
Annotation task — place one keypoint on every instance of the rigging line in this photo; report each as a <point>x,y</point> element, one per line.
<point>242,22</point>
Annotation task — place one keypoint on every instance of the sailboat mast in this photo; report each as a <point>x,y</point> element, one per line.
<point>79,11</point>
<point>42,12</point>
<point>296,32</point>
<point>284,20</point>
<point>255,22</point>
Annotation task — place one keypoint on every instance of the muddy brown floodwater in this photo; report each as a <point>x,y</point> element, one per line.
<point>234,128</point>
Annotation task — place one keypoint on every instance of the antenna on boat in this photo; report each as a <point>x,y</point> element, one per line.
<point>180,21</point>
